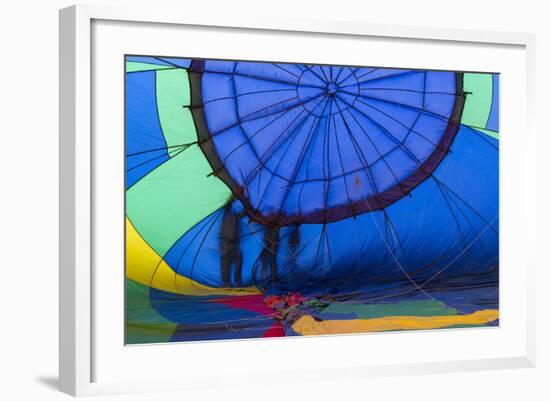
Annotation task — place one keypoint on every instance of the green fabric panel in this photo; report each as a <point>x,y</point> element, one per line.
<point>492,134</point>
<point>172,198</point>
<point>143,323</point>
<point>478,101</point>
<point>133,66</point>
<point>465,326</point>
<point>147,334</point>
<point>173,97</point>
<point>404,308</point>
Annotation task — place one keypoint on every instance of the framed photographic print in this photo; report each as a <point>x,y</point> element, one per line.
<point>276,199</point>
<point>345,187</point>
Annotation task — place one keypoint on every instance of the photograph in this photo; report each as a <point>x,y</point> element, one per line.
<point>269,199</point>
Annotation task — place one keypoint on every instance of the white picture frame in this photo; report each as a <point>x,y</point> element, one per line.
<point>78,151</point>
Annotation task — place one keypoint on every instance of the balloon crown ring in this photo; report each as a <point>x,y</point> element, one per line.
<point>331,89</point>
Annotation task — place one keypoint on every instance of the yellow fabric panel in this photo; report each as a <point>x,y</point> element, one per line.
<point>307,325</point>
<point>146,267</point>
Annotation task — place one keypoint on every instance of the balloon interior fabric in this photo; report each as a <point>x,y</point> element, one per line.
<point>281,199</point>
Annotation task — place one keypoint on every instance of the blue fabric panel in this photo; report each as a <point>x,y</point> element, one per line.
<point>221,331</point>
<point>145,143</point>
<point>146,59</point>
<point>276,127</point>
<point>447,227</point>
<point>167,61</point>
<point>493,121</point>
<point>440,91</point>
<point>174,61</point>
<point>195,310</point>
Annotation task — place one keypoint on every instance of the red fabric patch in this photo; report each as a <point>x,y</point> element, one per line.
<point>276,330</point>
<point>253,303</point>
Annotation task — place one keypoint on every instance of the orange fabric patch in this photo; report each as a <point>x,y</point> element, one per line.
<point>307,325</point>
